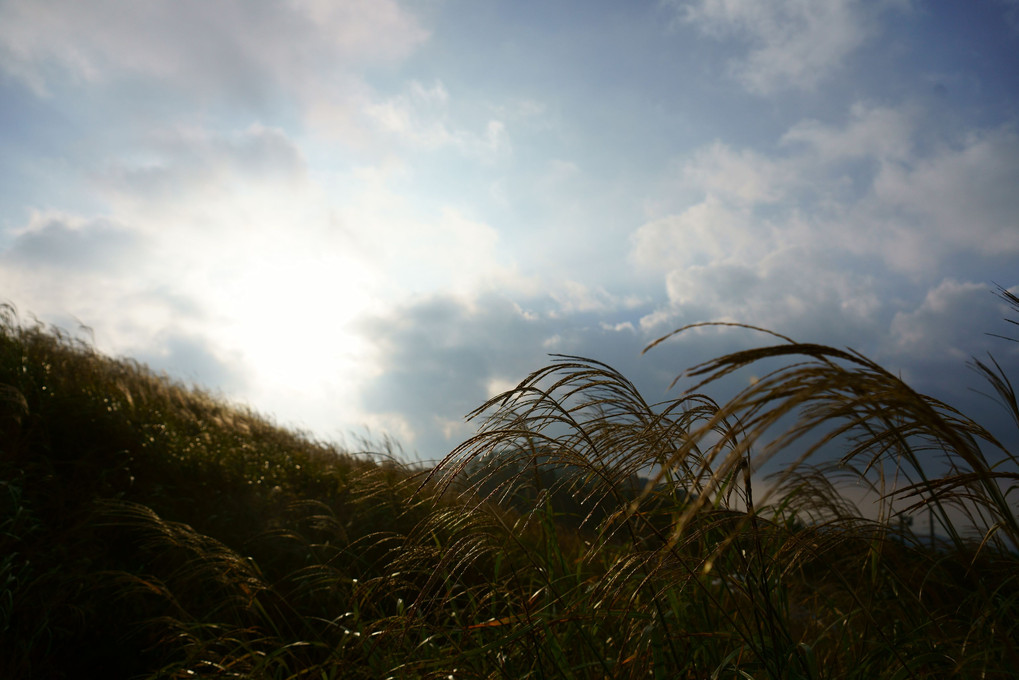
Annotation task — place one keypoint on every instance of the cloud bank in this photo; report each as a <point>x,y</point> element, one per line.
<point>373,213</point>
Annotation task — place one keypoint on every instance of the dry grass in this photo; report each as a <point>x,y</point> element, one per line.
<point>581,533</point>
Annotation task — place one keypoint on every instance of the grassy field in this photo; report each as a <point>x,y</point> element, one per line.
<point>149,530</point>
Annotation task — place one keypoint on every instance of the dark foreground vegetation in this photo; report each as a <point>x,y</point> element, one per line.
<point>148,530</point>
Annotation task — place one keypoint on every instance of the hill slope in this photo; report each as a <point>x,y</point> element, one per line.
<point>150,530</point>
<point>125,497</point>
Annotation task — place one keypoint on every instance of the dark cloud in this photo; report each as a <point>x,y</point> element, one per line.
<point>440,357</point>
<point>70,245</point>
<point>932,344</point>
<point>193,360</point>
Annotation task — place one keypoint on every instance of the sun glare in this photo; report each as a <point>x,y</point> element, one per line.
<point>287,313</point>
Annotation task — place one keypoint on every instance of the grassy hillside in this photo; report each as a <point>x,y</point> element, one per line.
<point>149,530</point>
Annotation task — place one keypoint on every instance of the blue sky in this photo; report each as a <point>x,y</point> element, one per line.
<point>375,214</point>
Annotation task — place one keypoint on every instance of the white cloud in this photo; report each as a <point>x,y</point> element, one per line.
<point>376,30</point>
<point>819,236</point>
<point>497,386</point>
<point>415,115</point>
<point>622,327</point>
<point>961,198</point>
<point>99,271</point>
<point>221,46</point>
<point>743,177</point>
<point>420,117</point>
<point>793,44</point>
<point>812,162</point>
<point>712,231</point>
<point>174,163</point>
<point>303,55</point>
<point>795,292</point>
<point>572,297</point>
<point>457,253</point>
<point>945,321</point>
<point>422,250</point>
<point>862,189</point>
<point>872,132</point>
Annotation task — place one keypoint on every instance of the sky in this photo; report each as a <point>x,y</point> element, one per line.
<point>365,217</point>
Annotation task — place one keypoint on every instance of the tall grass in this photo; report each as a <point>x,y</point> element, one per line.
<point>582,532</point>
<point>696,575</point>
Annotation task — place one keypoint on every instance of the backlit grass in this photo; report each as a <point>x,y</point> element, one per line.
<point>147,529</point>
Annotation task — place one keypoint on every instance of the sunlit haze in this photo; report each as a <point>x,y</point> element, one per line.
<point>371,215</point>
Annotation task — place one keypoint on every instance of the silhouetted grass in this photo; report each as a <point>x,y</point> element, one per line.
<point>149,530</point>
